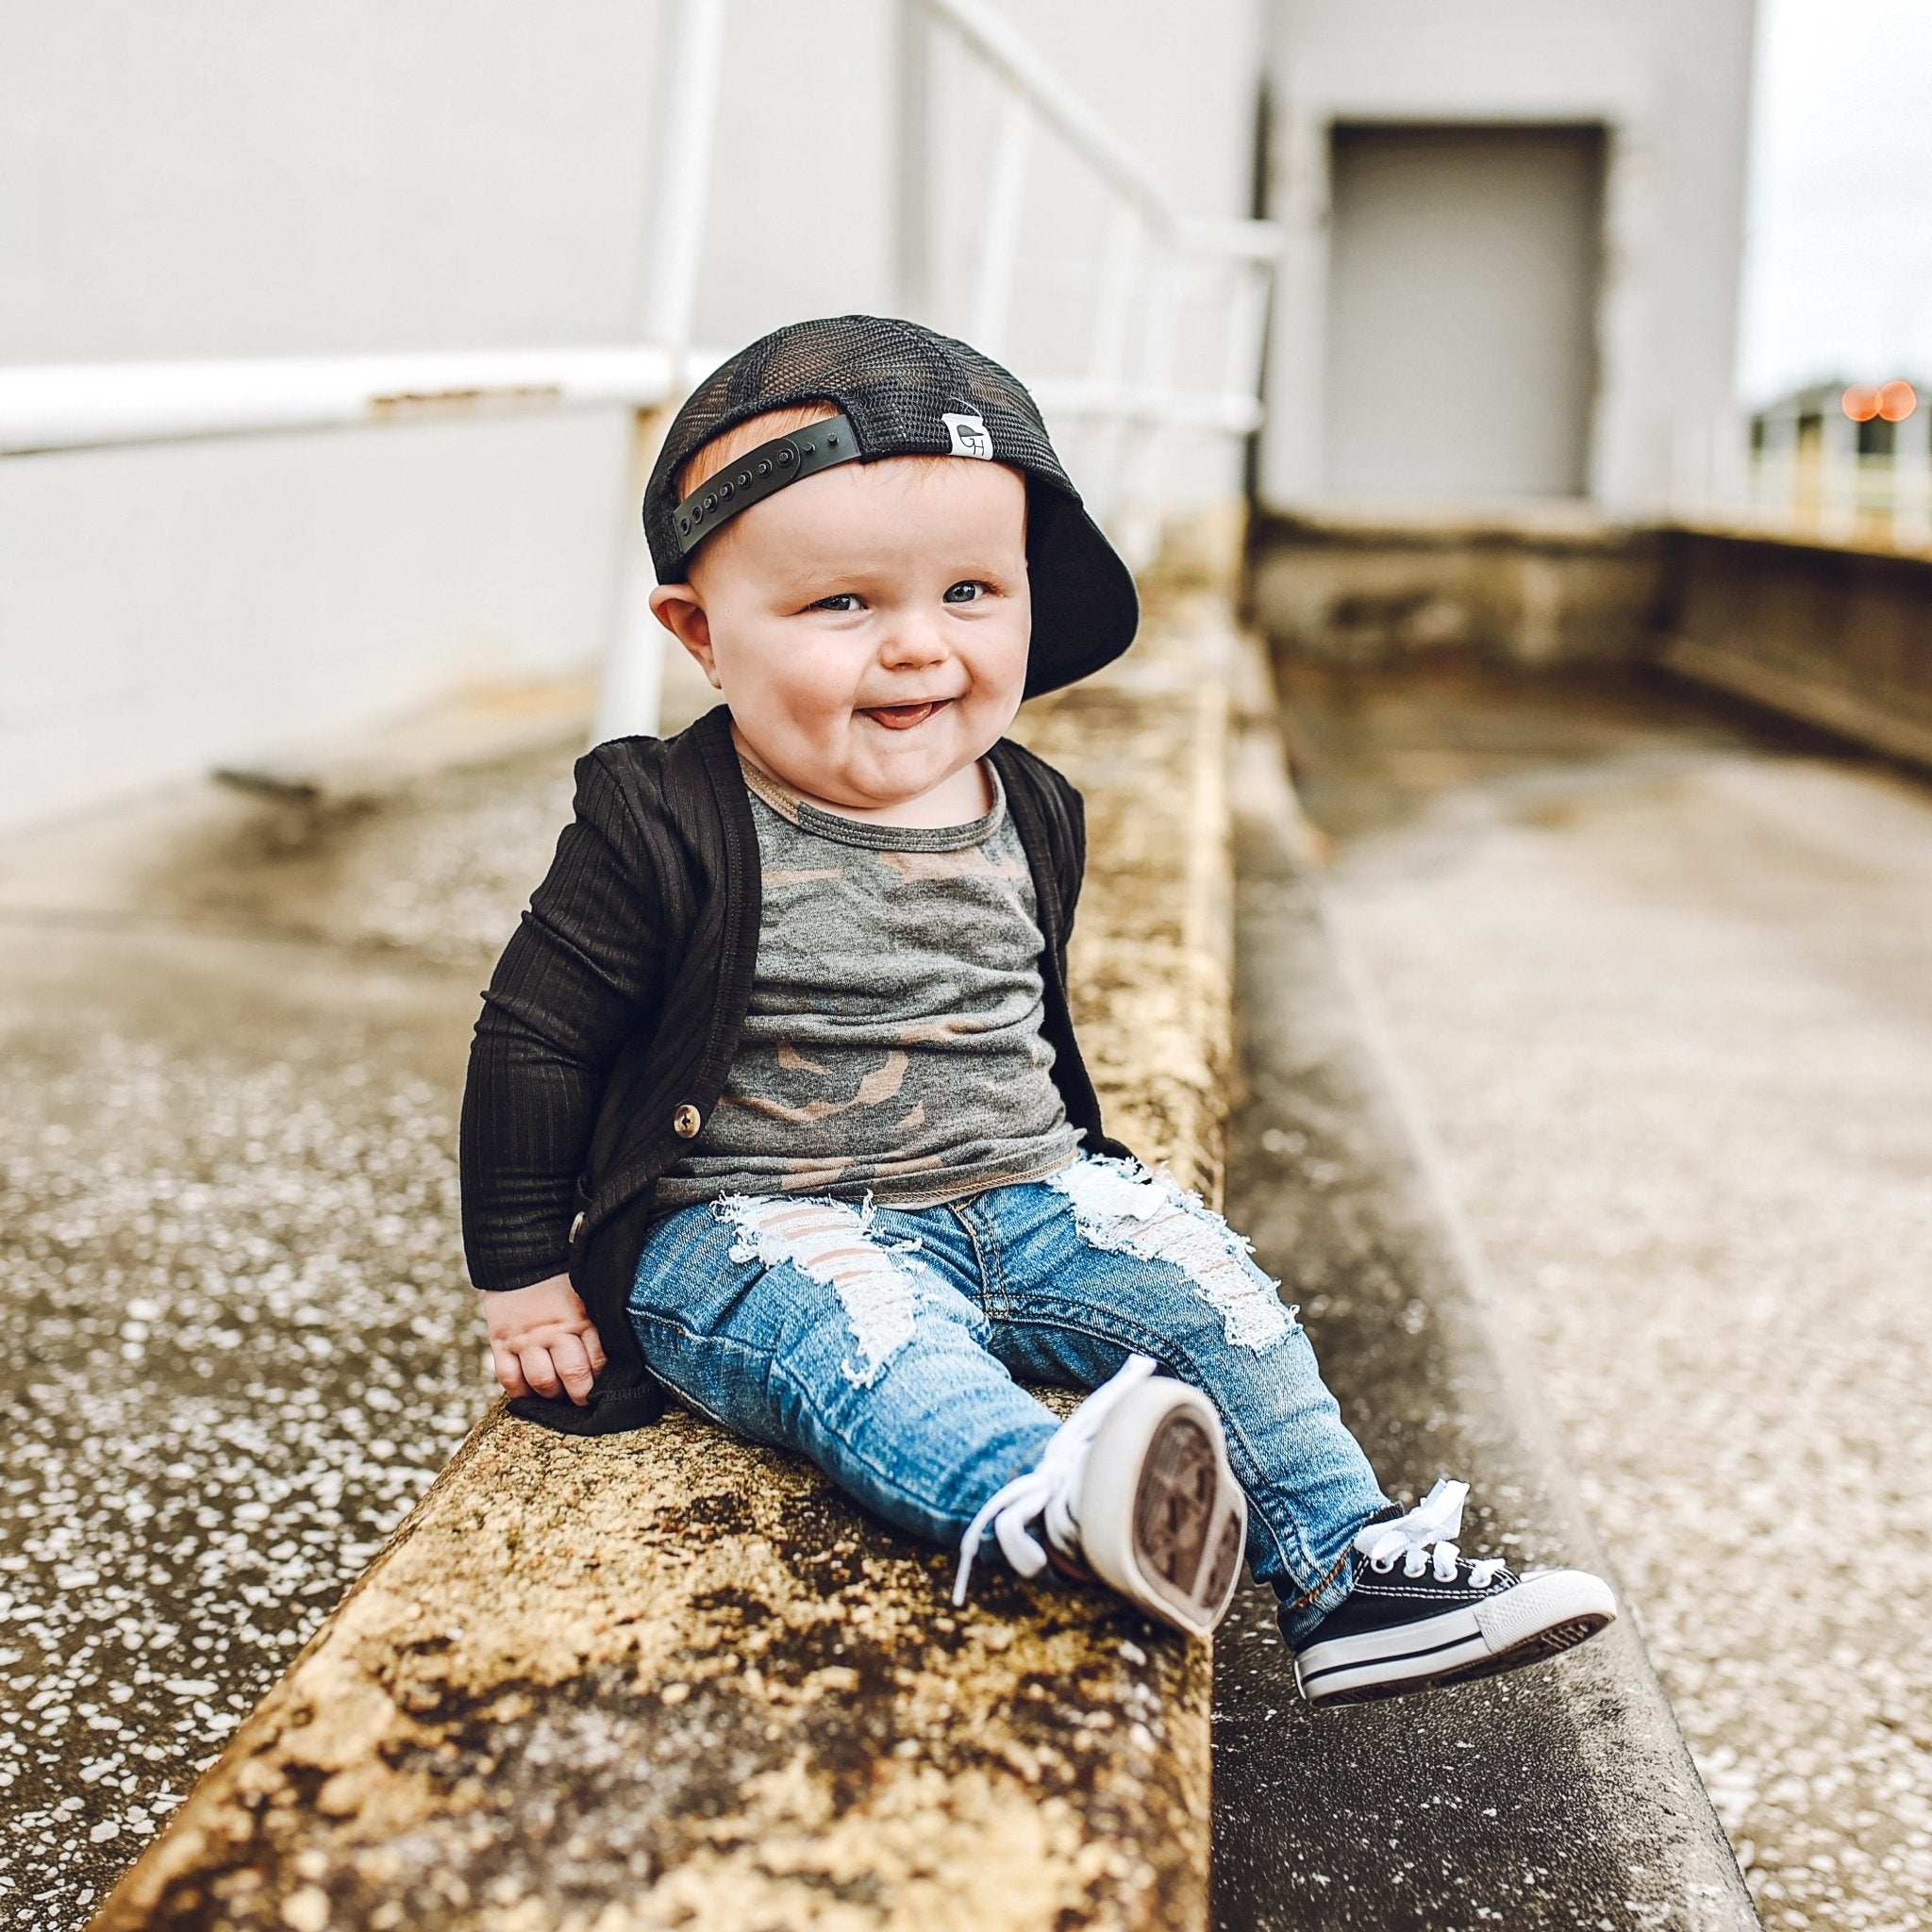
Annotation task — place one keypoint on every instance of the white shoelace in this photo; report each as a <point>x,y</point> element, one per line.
<point>1425,1536</point>
<point>1047,1491</point>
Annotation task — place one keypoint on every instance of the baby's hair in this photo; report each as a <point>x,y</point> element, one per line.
<point>729,445</point>
<point>743,437</point>
<point>725,449</point>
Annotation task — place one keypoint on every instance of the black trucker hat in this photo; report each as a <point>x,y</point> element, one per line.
<point>901,391</point>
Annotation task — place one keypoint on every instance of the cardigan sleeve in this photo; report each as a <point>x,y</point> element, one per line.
<point>581,976</point>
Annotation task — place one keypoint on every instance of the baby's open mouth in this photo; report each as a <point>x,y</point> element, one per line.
<point>904,717</point>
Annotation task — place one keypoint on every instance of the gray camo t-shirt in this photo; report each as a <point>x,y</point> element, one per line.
<point>893,1044</point>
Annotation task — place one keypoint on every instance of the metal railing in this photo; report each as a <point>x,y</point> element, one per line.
<point>1134,389</point>
<point>1842,497</point>
<point>1810,472</point>
<point>108,405</point>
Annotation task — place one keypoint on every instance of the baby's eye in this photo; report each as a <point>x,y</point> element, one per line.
<point>838,600</point>
<point>969,591</point>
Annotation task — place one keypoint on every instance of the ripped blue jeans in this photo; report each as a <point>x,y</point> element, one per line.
<point>884,1346</point>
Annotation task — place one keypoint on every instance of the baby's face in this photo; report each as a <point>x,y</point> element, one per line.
<point>868,626</point>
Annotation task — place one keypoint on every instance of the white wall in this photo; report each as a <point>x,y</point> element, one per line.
<point>324,175</point>
<point>802,189</point>
<point>216,177</point>
<point>1668,79</point>
<point>167,609</point>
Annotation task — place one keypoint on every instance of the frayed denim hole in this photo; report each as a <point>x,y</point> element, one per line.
<point>1120,1207</point>
<point>831,1242</point>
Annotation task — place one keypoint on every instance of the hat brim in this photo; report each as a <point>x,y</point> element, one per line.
<point>1085,610</point>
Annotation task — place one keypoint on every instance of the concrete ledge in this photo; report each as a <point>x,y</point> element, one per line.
<point>1828,629</point>
<point>1538,586</point>
<point>1571,523</point>
<point>1837,637</point>
<point>673,1679</point>
<point>1812,699</point>
<point>1827,531</point>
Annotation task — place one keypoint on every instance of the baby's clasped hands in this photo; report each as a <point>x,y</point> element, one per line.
<point>542,1341</point>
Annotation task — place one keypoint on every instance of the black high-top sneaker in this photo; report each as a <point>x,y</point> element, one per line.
<point>1420,1614</point>
<point>1133,1488</point>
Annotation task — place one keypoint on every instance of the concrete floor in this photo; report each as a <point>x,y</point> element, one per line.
<point>1544,1801</point>
<point>1662,978</point>
<point>232,1033</point>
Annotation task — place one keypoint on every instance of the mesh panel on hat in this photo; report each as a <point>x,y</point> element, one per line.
<point>894,379</point>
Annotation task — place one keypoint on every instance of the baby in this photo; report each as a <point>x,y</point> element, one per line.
<point>775,1100</point>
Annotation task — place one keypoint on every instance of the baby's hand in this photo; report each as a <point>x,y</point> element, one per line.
<point>541,1339</point>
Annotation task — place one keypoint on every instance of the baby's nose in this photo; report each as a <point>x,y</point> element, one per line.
<point>911,639</point>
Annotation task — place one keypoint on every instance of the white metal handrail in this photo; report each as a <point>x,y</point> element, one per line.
<point>1229,413</point>
<point>90,406</point>
<point>95,405</point>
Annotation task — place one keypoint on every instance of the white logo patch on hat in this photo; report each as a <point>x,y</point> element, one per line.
<point>971,437</point>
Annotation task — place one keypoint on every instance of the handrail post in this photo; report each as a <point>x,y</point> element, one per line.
<point>1140,521</point>
<point>686,117</point>
<point>912,263</point>
<point>1839,478</point>
<point>1912,479</point>
<point>1772,470</point>
<point>1107,357</point>
<point>686,97</point>
<point>999,249</point>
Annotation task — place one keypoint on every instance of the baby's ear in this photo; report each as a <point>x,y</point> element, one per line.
<point>681,611</point>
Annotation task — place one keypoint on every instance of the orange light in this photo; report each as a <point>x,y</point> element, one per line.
<point>1859,403</point>
<point>1896,401</point>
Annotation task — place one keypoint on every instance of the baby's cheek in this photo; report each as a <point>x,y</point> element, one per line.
<point>999,678</point>
<point>814,688</point>
<point>786,708</point>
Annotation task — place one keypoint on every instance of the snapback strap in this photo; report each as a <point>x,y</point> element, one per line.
<point>756,475</point>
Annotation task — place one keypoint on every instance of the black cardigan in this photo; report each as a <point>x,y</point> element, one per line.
<point>619,1003</point>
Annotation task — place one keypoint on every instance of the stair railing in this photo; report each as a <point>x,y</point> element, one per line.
<point>1136,389</point>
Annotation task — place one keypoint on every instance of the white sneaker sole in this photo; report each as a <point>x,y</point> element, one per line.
<point>1162,1520</point>
<point>1548,1612</point>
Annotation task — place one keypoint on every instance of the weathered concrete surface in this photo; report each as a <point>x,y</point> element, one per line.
<point>1538,585</point>
<point>1664,982</point>
<point>240,1340</point>
<point>1555,1798</point>
<point>1835,633</point>
<point>670,1679</point>
<point>1152,944</point>
<point>1831,631</point>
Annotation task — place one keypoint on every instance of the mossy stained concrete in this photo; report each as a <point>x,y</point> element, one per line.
<point>672,1679</point>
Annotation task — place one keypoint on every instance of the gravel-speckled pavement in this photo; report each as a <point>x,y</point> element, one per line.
<point>1664,984</point>
<point>240,1339</point>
